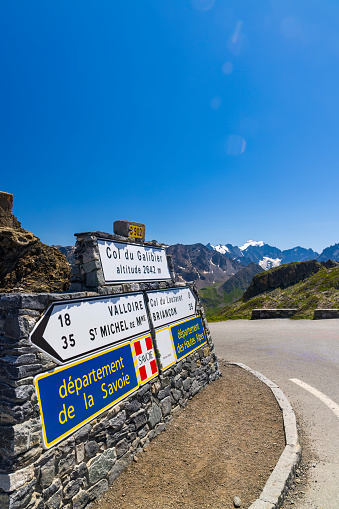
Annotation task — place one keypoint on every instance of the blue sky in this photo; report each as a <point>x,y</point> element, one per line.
<point>207,120</point>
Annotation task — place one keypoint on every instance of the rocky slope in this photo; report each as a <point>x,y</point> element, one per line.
<point>198,263</point>
<point>330,253</point>
<point>68,252</point>
<point>26,264</point>
<point>281,277</point>
<point>242,279</point>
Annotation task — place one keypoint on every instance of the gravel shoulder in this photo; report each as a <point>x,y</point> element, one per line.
<point>223,444</point>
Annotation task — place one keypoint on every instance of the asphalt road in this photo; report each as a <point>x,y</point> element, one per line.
<point>308,351</point>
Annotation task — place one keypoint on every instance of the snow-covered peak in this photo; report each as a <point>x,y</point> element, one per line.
<point>249,243</point>
<point>222,249</point>
<point>268,263</point>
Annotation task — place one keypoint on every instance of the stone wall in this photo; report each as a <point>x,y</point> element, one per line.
<point>87,273</point>
<point>259,314</point>
<point>321,314</point>
<point>80,468</point>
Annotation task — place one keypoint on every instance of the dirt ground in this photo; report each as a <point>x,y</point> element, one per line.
<point>225,443</point>
<point>296,493</point>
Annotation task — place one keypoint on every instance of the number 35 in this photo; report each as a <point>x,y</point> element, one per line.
<point>70,339</point>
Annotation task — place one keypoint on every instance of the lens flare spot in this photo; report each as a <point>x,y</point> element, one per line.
<point>227,68</point>
<point>235,145</point>
<point>237,31</point>
<point>202,5</point>
<point>237,40</point>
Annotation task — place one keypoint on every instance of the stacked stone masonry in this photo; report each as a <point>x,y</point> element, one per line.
<point>75,472</point>
<point>258,314</point>
<point>87,273</point>
<point>320,314</point>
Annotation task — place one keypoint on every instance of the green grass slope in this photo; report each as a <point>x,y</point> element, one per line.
<point>320,290</point>
<point>214,297</point>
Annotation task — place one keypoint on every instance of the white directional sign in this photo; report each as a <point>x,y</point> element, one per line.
<point>75,328</point>
<point>164,345</point>
<point>123,262</point>
<point>172,305</point>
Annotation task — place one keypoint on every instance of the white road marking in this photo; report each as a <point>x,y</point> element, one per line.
<point>325,399</point>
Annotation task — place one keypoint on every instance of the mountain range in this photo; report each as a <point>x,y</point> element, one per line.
<point>304,286</point>
<point>227,276</point>
<point>221,284</point>
<point>264,255</point>
<point>198,263</point>
<point>210,264</point>
<point>206,264</point>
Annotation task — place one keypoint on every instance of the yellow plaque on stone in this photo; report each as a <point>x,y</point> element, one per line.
<point>129,229</point>
<point>136,231</point>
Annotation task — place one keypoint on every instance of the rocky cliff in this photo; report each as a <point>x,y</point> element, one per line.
<point>26,264</point>
<point>198,263</point>
<point>242,279</point>
<point>281,277</point>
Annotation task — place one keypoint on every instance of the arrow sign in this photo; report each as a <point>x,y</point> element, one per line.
<point>75,328</point>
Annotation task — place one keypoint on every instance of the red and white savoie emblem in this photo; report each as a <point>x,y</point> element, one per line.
<point>145,357</point>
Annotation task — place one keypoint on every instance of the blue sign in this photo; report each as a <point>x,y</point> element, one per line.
<point>74,394</point>
<point>187,336</point>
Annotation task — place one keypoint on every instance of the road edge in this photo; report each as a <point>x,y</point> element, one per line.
<point>283,474</point>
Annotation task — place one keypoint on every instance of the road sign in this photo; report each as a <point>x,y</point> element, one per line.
<point>187,336</point>
<point>145,359</point>
<point>74,394</point>
<point>165,348</point>
<point>172,305</point>
<point>123,262</point>
<point>75,328</point>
